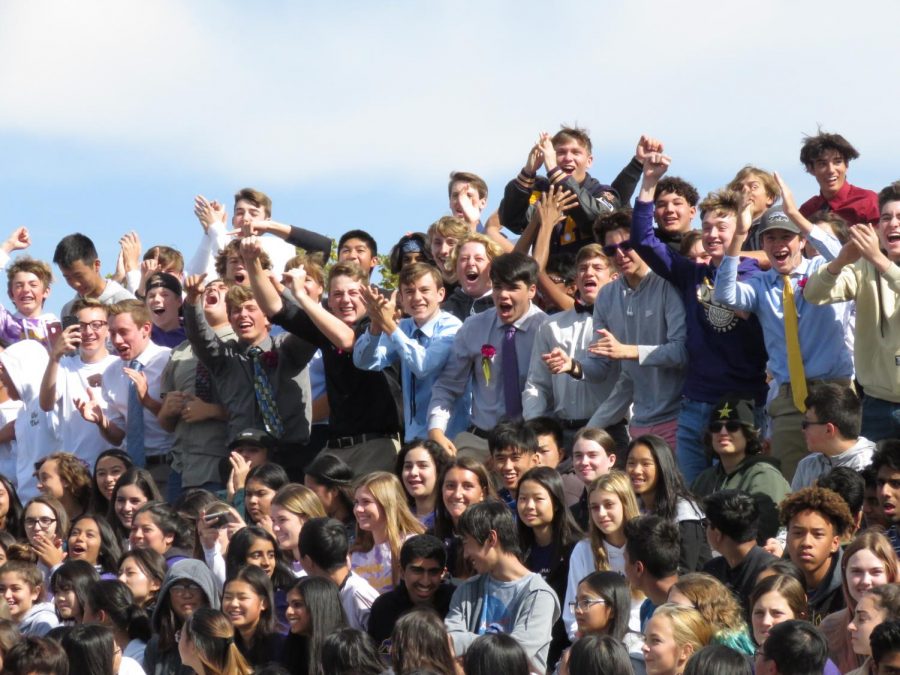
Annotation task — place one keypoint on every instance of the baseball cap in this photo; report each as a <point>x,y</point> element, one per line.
<point>775,219</point>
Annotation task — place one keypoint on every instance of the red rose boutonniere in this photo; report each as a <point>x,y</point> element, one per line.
<point>270,359</point>
<point>488,352</point>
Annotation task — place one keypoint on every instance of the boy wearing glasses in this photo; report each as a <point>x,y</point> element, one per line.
<point>831,427</point>
<point>725,351</point>
<point>78,359</point>
<point>639,325</point>
<point>731,436</point>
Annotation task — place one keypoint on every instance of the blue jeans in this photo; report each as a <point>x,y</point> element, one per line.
<point>693,419</point>
<point>880,419</point>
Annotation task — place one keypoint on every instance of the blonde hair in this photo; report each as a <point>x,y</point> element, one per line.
<point>688,625</point>
<point>299,500</point>
<point>448,226</point>
<point>880,546</point>
<point>491,247</point>
<point>713,600</point>
<point>618,483</point>
<point>400,522</point>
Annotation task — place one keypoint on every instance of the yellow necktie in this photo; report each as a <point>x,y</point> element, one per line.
<point>792,341</point>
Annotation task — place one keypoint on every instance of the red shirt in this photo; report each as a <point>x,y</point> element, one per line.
<point>853,204</point>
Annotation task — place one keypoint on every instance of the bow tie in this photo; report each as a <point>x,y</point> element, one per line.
<point>581,308</point>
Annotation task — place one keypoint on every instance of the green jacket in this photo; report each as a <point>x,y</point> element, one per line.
<point>758,476</point>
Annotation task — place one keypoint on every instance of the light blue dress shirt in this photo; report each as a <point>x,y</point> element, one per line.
<point>422,353</point>
<point>825,354</point>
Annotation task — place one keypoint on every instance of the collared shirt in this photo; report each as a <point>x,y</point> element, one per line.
<point>116,387</point>
<point>825,355</point>
<point>232,371</point>
<point>853,204</point>
<point>422,353</point>
<point>465,366</point>
<point>198,446</point>
<point>652,317</point>
<point>561,395</point>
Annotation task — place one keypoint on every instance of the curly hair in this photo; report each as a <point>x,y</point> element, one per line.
<point>74,475</point>
<point>713,600</point>
<point>826,502</point>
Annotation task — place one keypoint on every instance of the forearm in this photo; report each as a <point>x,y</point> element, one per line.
<point>336,331</point>
<point>110,431</point>
<point>553,292</point>
<point>47,398</point>
<point>267,296</point>
<point>627,180</point>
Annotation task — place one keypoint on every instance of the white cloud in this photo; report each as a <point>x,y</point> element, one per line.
<point>286,93</point>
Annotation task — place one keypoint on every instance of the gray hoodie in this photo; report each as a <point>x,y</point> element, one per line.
<point>25,363</point>
<point>816,465</point>
<point>532,613</point>
<point>157,662</point>
<point>40,619</point>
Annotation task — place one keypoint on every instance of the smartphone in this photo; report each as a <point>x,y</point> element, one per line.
<point>220,519</point>
<point>69,320</point>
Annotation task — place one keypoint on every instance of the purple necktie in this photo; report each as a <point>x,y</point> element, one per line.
<point>511,393</point>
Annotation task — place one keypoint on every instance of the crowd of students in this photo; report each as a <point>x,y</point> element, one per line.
<point>573,436</point>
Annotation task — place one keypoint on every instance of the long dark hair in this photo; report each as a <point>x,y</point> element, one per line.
<point>326,615</point>
<point>350,651</point>
<point>565,530</point>
<point>239,546</point>
<point>439,458</point>
<point>612,587</point>
<point>152,564</point>
<point>600,655</point>
<point>115,598</point>
<point>443,523</point>
<point>494,653</point>
<point>110,551</point>
<point>99,503</point>
<point>144,482</point>
<point>90,649</point>
<point>262,586</point>
<point>670,485</point>
<point>168,520</point>
<point>77,575</point>
<point>335,474</point>
<point>419,642</point>
<point>13,521</point>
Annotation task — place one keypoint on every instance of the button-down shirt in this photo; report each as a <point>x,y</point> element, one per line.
<point>198,446</point>
<point>561,395</point>
<point>116,387</point>
<point>465,366</point>
<point>825,354</point>
<point>422,352</point>
<point>232,371</point>
<point>652,317</point>
<point>853,204</point>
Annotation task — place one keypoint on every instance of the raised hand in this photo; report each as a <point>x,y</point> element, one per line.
<point>295,279</point>
<point>251,247</point>
<point>552,205</point>
<point>557,361</point>
<point>646,146</point>
<point>744,216</point>
<point>130,245</point>
<point>18,240</point>
<point>89,407</point>
<point>865,238</point>
<point>549,152</point>
<point>208,212</point>
<point>67,343</point>
<point>193,287</point>
<point>535,156</point>
<point>787,198</point>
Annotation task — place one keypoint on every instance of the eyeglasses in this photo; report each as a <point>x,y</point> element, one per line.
<point>93,325</point>
<point>806,424</point>
<point>585,604</point>
<point>185,588</point>
<point>731,426</point>
<point>44,521</point>
<point>610,250</point>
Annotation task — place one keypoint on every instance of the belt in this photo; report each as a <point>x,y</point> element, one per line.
<point>786,389</point>
<point>572,424</point>
<point>477,431</point>
<point>347,441</point>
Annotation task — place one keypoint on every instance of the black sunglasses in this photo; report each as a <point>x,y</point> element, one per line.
<point>610,249</point>
<point>731,426</point>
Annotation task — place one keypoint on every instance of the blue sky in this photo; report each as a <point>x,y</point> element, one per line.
<point>113,115</point>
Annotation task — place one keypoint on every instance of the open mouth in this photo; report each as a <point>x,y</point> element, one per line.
<point>781,257</point>
<point>159,311</point>
<point>240,277</point>
<point>78,550</point>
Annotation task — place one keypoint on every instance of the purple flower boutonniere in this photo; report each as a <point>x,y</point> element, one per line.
<point>488,352</point>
